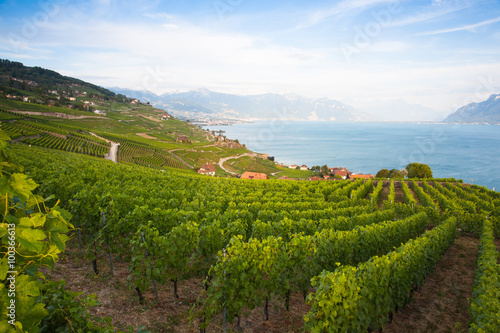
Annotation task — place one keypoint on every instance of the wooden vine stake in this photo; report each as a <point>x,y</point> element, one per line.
<point>151,268</point>
<point>224,296</point>
<point>79,238</point>
<point>94,262</point>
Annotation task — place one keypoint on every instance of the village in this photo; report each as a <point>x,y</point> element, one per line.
<point>334,173</point>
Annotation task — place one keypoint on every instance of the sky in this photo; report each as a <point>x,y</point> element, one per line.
<point>440,54</point>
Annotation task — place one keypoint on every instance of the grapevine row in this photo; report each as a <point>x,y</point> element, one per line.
<point>357,299</point>
<point>273,266</point>
<point>485,302</point>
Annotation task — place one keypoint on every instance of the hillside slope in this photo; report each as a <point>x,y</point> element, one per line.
<point>43,108</point>
<point>487,111</point>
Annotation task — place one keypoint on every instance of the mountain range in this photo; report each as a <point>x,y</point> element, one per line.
<point>397,110</point>
<point>203,104</point>
<point>206,105</point>
<point>487,111</point>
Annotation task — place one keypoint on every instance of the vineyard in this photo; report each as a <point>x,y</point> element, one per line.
<point>143,154</point>
<point>356,256</point>
<point>41,133</point>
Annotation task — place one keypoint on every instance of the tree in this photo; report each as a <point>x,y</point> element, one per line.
<point>324,170</point>
<point>419,170</point>
<point>394,173</point>
<point>384,173</point>
<point>403,172</point>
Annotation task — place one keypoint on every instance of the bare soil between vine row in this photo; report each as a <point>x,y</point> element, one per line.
<point>441,305</point>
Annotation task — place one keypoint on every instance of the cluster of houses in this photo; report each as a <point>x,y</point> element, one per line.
<point>55,94</point>
<point>294,166</point>
<point>335,173</point>
<point>31,83</point>
<point>31,99</point>
<point>338,173</point>
<point>24,98</point>
<point>209,170</point>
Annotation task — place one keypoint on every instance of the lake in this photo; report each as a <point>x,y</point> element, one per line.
<point>468,152</point>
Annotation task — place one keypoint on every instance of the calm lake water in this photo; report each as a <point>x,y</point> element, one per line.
<point>468,152</point>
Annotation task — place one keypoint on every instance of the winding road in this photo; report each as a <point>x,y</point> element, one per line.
<point>222,160</point>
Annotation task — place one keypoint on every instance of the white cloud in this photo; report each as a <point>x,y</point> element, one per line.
<point>166,53</point>
<point>436,10</point>
<point>342,8</point>
<point>469,27</point>
<point>189,56</point>
<point>161,15</point>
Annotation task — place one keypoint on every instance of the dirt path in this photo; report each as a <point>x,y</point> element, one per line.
<point>53,114</point>
<point>151,118</point>
<point>222,160</point>
<point>441,305</point>
<point>146,136</point>
<point>399,196</point>
<point>180,159</point>
<point>384,195</point>
<point>170,315</point>
<point>113,151</point>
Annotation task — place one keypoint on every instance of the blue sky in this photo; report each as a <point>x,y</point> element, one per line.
<point>441,54</point>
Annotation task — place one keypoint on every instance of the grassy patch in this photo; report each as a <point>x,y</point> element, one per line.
<point>253,164</point>
<point>293,173</point>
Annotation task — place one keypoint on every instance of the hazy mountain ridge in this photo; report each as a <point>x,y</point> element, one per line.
<point>203,104</point>
<point>487,111</point>
<point>398,110</point>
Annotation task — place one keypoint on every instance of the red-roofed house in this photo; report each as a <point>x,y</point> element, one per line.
<point>253,175</point>
<point>341,173</point>
<point>207,169</point>
<point>293,166</point>
<point>304,168</point>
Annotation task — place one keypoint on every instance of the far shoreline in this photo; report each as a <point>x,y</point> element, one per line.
<point>451,167</point>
